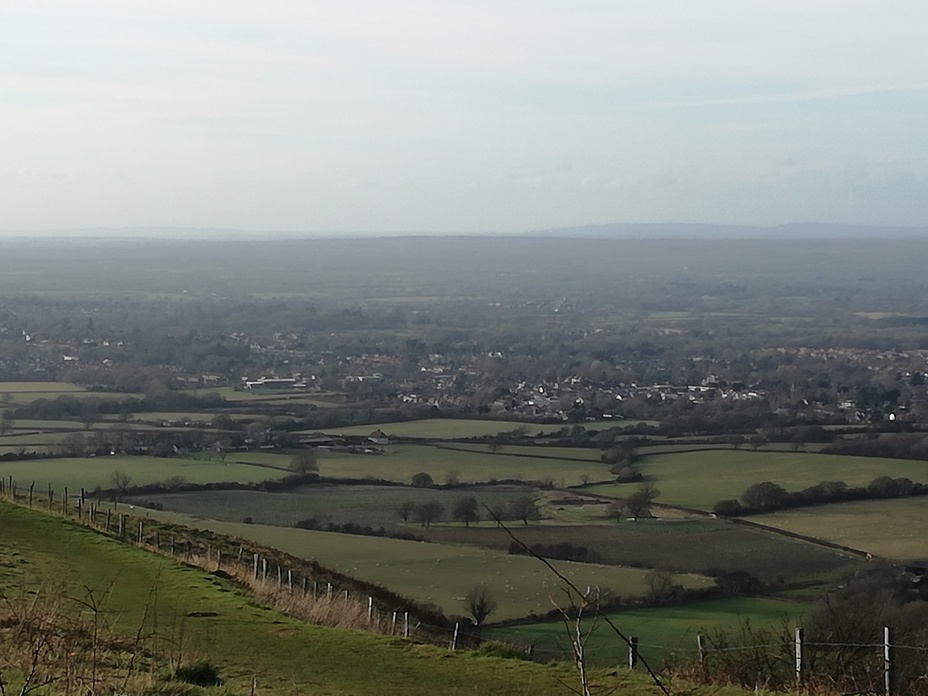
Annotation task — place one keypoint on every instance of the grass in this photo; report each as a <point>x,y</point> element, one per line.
<point>90,472</point>
<point>701,479</point>
<point>661,631</point>
<point>21,393</point>
<point>438,573</point>
<point>200,616</point>
<point>680,546</point>
<point>887,528</point>
<point>402,461</point>
<point>367,505</point>
<point>457,428</point>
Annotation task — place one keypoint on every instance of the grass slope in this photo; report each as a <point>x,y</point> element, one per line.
<point>205,617</point>
<point>438,573</point>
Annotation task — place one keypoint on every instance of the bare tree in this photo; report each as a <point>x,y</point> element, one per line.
<point>428,512</point>
<point>405,510</point>
<point>304,463</point>
<point>121,481</point>
<point>480,603</point>
<point>465,510</point>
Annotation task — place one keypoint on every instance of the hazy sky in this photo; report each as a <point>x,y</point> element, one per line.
<point>428,115</point>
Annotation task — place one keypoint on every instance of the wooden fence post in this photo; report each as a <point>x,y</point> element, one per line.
<point>31,488</point>
<point>405,624</point>
<point>290,581</point>
<point>122,525</point>
<point>140,533</point>
<point>108,513</point>
<point>701,646</point>
<point>370,609</point>
<point>632,652</point>
<point>256,566</point>
<point>64,503</point>
<point>799,636</point>
<point>889,676</point>
<point>454,637</point>
<point>393,625</point>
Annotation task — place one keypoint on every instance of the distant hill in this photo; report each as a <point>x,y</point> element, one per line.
<point>677,230</point>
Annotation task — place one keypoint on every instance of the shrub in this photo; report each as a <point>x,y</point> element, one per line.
<point>505,651</point>
<point>199,673</point>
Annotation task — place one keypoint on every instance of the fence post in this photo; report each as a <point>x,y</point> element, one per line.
<point>64,503</point>
<point>108,513</point>
<point>140,532</point>
<point>701,646</point>
<point>405,624</point>
<point>31,487</point>
<point>122,525</point>
<point>393,625</point>
<point>370,609</point>
<point>279,579</point>
<point>454,637</point>
<point>799,656</point>
<point>289,581</point>
<point>328,591</point>
<point>632,652</point>
<point>264,568</point>
<point>256,566</point>
<point>889,681</point>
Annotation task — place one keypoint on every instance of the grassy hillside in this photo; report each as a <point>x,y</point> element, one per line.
<point>197,615</point>
<point>438,573</point>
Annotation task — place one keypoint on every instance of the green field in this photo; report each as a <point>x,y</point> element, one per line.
<point>401,462</point>
<point>886,528</point>
<point>194,615</point>
<point>456,428</point>
<point>661,631</point>
<point>367,505</point>
<point>679,545</point>
<point>701,479</point>
<point>26,392</point>
<point>438,573</point>
<point>90,472</point>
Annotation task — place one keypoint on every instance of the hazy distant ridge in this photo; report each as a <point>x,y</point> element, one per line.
<point>677,230</point>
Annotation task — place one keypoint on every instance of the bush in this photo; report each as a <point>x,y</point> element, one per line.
<point>505,651</point>
<point>199,673</point>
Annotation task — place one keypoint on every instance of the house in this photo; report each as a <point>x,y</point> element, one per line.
<point>378,437</point>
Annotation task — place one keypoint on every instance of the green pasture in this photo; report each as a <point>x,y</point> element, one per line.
<point>662,631</point>
<point>193,615</point>
<point>458,428</point>
<point>584,453</point>
<point>401,462</point>
<point>682,545</point>
<point>375,506</point>
<point>20,393</point>
<point>701,479</point>
<point>886,528</point>
<point>90,472</point>
<point>438,573</point>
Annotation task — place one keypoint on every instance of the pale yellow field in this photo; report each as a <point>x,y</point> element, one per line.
<point>892,529</point>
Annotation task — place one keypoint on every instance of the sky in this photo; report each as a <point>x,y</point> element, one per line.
<point>420,116</point>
